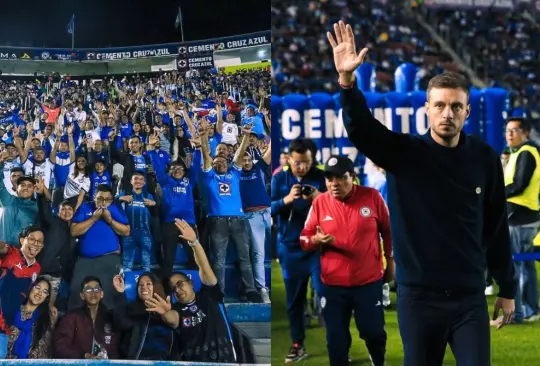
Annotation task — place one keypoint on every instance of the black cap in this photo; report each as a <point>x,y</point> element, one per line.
<point>338,165</point>
<point>23,178</point>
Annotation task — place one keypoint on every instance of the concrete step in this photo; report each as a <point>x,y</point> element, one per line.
<point>260,335</point>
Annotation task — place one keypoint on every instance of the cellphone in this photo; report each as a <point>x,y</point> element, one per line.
<point>120,270</point>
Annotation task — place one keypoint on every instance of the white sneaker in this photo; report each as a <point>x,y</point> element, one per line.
<point>533,318</point>
<point>265,295</point>
<point>489,290</point>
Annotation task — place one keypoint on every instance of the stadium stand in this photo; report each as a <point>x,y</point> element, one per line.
<point>151,125</point>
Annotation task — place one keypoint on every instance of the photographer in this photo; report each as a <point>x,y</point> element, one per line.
<point>293,191</point>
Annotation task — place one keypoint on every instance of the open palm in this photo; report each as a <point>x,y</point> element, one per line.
<point>345,57</point>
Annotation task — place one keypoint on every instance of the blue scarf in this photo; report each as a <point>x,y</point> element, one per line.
<point>22,345</point>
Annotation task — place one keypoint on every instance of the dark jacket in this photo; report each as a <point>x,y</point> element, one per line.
<point>75,333</point>
<point>56,257</point>
<point>447,205</point>
<point>126,159</point>
<point>132,320</point>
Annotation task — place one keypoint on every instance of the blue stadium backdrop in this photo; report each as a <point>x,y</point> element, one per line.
<point>318,116</point>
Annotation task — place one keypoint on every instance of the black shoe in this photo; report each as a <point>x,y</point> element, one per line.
<point>254,296</point>
<point>296,353</point>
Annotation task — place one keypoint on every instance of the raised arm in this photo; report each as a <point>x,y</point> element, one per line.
<point>205,270</point>
<point>205,148</point>
<point>385,148</point>
<point>243,147</point>
<point>219,127</point>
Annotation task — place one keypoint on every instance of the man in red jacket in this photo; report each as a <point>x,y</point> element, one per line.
<point>346,224</point>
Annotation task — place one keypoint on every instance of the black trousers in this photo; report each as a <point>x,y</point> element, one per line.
<point>429,320</point>
<point>169,241</point>
<point>337,305</point>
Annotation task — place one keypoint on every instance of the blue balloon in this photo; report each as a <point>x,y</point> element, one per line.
<point>365,75</point>
<point>405,76</point>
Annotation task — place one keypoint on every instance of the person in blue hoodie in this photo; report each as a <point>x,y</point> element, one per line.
<point>176,202</point>
<point>293,190</point>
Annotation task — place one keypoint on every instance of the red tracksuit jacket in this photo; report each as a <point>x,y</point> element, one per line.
<point>355,258</point>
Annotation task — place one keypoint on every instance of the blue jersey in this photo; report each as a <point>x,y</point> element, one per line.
<point>139,163</point>
<point>137,213</point>
<point>223,190</point>
<point>100,239</point>
<point>178,199</point>
<point>160,159</point>
<point>253,187</point>
<point>97,180</point>
<point>126,130</point>
<point>61,168</point>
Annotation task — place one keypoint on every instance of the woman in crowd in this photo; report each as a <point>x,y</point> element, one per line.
<point>146,335</point>
<point>31,332</point>
<point>78,182</point>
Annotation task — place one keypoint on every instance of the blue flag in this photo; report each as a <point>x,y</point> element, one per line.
<point>71,25</point>
<point>179,19</point>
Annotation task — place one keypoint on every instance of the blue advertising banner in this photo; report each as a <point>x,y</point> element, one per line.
<point>192,49</point>
<point>471,4</point>
<point>319,117</point>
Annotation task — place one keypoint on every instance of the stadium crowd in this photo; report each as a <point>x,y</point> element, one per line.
<point>500,47</point>
<point>103,177</point>
<point>303,59</point>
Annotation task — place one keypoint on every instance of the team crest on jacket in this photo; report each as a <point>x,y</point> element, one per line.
<point>365,211</point>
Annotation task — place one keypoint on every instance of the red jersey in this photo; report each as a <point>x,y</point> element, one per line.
<point>16,276</point>
<point>357,224</point>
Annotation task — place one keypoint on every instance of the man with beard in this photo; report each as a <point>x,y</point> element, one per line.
<point>86,331</point>
<point>19,270</point>
<point>226,218</point>
<point>18,211</point>
<point>198,317</point>
<point>448,210</point>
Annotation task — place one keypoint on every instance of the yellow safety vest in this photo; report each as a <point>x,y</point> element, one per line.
<point>529,197</point>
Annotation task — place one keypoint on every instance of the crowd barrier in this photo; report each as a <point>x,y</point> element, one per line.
<point>319,116</point>
<point>113,363</point>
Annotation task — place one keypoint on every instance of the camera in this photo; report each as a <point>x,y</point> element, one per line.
<point>307,190</point>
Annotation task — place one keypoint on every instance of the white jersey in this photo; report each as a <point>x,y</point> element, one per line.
<point>44,170</point>
<point>75,185</point>
<point>7,175</point>
<point>229,133</point>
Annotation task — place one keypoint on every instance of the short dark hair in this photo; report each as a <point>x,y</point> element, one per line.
<point>67,203</point>
<point>16,169</point>
<point>29,230</point>
<point>301,146</point>
<point>103,188</point>
<point>90,279</point>
<point>524,123</point>
<point>448,80</point>
<point>135,137</point>
<point>138,173</point>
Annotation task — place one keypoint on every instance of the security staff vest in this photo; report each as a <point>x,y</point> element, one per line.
<point>529,197</point>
